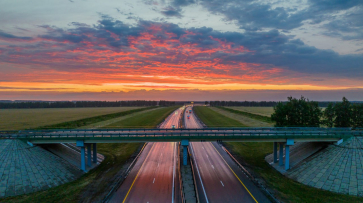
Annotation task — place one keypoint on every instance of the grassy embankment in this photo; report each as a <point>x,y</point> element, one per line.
<point>253,154</point>
<point>89,187</point>
<point>19,119</point>
<point>247,114</point>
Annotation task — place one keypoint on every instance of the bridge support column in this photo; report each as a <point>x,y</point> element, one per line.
<point>185,144</point>
<point>89,158</point>
<point>281,155</point>
<point>80,143</point>
<point>275,152</point>
<point>289,142</point>
<point>95,153</point>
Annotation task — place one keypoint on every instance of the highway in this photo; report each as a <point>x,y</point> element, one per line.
<point>218,177</point>
<point>154,178</point>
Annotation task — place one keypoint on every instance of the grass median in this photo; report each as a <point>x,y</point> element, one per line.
<point>93,186</point>
<point>252,155</point>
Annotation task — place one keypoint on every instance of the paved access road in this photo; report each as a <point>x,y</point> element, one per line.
<point>154,176</point>
<point>218,177</point>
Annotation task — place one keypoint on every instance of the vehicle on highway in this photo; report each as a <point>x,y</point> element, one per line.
<point>188,116</point>
<point>173,127</point>
<point>190,111</point>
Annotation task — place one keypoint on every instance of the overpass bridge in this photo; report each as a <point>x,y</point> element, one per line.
<point>87,137</point>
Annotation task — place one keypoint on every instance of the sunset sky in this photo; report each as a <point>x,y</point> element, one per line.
<point>181,49</point>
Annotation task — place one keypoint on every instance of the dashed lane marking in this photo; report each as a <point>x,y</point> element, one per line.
<point>234,174</point>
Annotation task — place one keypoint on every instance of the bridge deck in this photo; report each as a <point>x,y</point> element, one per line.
<point>174,135</point>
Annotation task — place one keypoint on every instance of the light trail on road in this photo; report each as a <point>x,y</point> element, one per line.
<point>218,181</point>
<point>153,178</point>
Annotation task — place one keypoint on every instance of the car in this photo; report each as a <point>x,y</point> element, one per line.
<point>188,117</point>
<point>172,126</point>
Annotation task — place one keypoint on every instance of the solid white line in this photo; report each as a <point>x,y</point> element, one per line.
<point>212,166</point>
<point>222,183</point>
<point>196,166</point>
<point>172,194</point>
<point>154,180</point>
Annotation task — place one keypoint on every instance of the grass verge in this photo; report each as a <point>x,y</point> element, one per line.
<point>247,114</point>
<point>252,154</point>
<point>90,120</point>
<point>214,119</point>
<point>92,187</point>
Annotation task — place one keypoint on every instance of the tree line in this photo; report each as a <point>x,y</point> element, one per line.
<point>256,103</point>
<point>80,104</point>
<point>304,113</point>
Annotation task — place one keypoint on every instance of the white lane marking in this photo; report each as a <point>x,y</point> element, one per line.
<point>212,166</point>
<point>222,183</point>
<point>154,180</point>
<point>196,166</point>
<point>172,195</point>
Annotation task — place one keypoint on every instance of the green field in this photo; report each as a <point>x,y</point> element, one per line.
<point>214,119</point>
<point>148,120</point>
<point>92,186</point>
<point>247,120</point>
<point>265,119</point>
<point>253,154</point>
<point>263,111</point>
<point>18,119</point>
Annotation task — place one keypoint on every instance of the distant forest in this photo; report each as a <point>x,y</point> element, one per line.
<point>79,104</point>
<point>261,103</point>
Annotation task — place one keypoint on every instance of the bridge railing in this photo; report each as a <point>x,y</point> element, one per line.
<point>182,135</point>
<point>187,130</point>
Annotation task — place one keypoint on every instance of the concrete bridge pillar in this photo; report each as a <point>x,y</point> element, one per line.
<point>80,143</point>
<point>89,158</point>
<point>185,144</point>
<point>275,152</point>
<point>95,153</point>
<point>289,142</point>
<point>281,154</point>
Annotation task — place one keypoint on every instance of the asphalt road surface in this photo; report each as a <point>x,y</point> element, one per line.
<point>218,177</point>
<point>154,176</point>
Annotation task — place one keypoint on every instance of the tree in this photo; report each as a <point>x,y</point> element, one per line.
<point>297,112</point>
<point>357,115</point>
<point>280,115</point>
<point>329,115</point>
<point>343,113</point>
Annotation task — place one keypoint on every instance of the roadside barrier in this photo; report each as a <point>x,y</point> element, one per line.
<point>123,176</point>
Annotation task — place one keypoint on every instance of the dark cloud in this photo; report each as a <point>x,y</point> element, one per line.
<point>269,49</point>
<point>171,12</point>
<point>10,36</point>
<point>253,15</point>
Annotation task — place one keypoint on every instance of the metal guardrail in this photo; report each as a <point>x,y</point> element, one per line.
<point>191,161</point>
